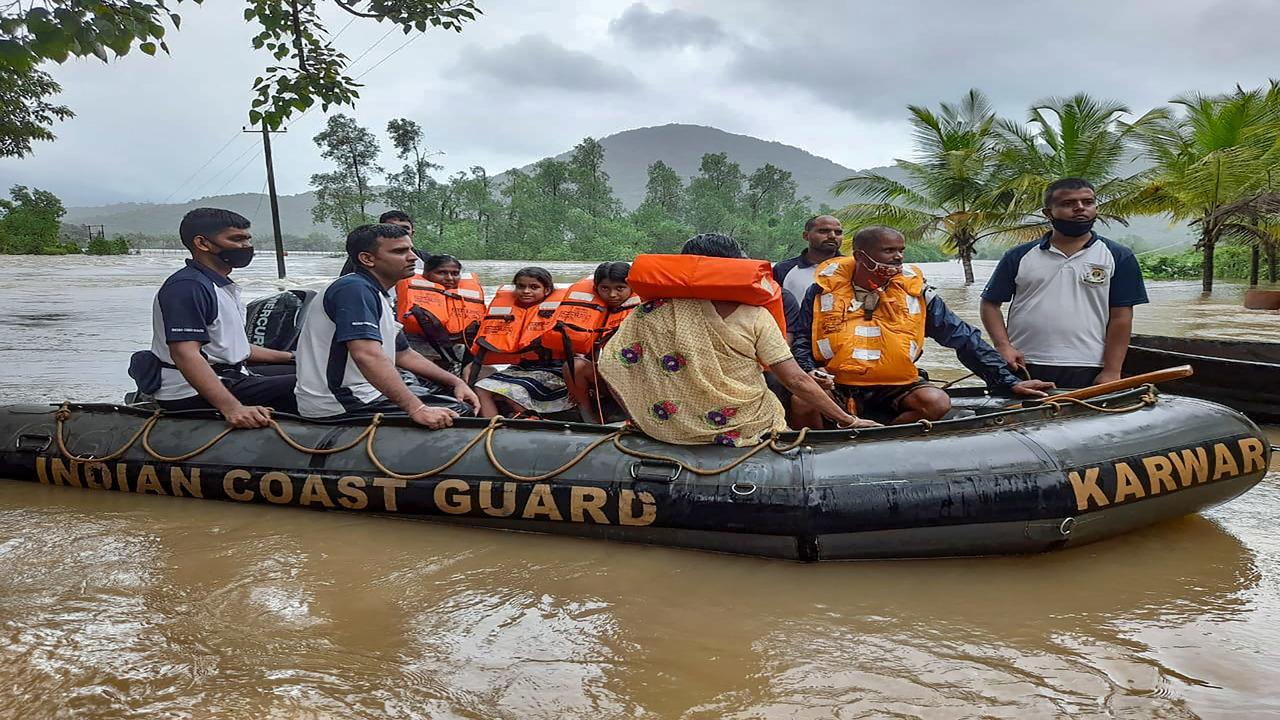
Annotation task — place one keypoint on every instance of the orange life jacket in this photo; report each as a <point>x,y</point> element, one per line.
<point>880,350</point>
<point>432,311</point>
<point>509,333</point>
<point>740,280</point>
<point>583,322</point>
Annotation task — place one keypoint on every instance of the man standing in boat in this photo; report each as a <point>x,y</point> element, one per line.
<point>199,346</point>
<point>351,344</point>
<point>1073,293</point>
<point>865,320</point>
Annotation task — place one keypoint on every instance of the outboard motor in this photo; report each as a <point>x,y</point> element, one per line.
<point>275,321</point>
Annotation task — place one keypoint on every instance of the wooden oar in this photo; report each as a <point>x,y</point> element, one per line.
<point>1153,377</point>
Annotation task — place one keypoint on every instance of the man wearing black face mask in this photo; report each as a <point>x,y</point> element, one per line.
<point>199,347</point>
<point>864,321</point>
<point>1073,294</point>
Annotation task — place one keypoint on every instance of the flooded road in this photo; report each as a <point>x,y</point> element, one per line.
<point>118,605</point>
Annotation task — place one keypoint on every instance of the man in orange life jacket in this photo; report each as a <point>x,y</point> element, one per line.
<point>865,319</point>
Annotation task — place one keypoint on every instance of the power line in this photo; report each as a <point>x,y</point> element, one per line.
<point>212,157</point>
<point>406,44</point>
<point>261,194</point>
<point>238,172</point>
<point>344,29</point>
<point>228,166</point>
<point>369,49</point>
<point>359,57</point>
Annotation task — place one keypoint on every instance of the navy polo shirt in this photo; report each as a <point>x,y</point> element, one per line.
<point>200,305</point>
<point>1060,306</point>
<point>353,307</point>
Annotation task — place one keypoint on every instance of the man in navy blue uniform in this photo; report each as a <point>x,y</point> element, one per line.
<point>823,235</point>
<point>351,344</point>
<point>1073,293</point>
<point>198,334</point>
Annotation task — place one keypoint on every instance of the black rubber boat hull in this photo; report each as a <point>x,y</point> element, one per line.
<point>1238,374</point>
<point>1008,482</point>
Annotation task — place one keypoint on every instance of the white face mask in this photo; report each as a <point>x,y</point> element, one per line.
<point>884,272</point>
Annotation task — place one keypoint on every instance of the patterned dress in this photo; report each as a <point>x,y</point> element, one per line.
<point>688,376</point>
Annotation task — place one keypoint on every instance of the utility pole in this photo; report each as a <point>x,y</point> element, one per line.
<point>271,190</point>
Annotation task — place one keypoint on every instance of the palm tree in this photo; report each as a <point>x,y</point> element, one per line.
<point>954,189</point>
<point>1212,162</point>
<point>1078,136</point>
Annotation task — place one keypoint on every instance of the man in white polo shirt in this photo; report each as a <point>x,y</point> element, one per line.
<point>1073,293</point>
<point>351,344</point>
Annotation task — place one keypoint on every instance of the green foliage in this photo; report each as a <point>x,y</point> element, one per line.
<point>1229,263</point>
<point>343,196</point>
<point>25,114</point>
<point>1213,165</point>
<point>29,223</point>
<point>307,67</point>
<point>117,245</point>
<point>957,191</point>
<point>315,242</point>
<point>924,251</point>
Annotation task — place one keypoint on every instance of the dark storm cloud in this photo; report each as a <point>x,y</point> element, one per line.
<point>644,28</point>
<point>535,61</point>
<point>875,58</point>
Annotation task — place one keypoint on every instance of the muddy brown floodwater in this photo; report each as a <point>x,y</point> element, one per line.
<point>115,605</point>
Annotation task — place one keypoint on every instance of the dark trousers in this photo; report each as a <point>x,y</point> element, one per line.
<point>269,385</point>
<point>429,394</point>
<point>1064,376</point>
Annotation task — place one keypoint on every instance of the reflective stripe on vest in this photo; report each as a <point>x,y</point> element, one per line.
<point>452,311</point>
<point>879,351</point>
<point>583,321</point>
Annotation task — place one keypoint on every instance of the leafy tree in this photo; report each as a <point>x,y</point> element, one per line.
<point>714,193</point>
<point>770,191</point>
<point>412,189</point>
<point>954,191</point>
<point>337,201</point>
<point>309,68</point>
<point>1078,136</point>
<point>347,193</point>
<point>25,114</point>
<point>664,191</point>
<point>591,192</point>
<point>29,223</point>
<point>1213,161</point>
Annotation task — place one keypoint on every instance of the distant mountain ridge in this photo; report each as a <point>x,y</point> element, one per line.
<point>628,155</point>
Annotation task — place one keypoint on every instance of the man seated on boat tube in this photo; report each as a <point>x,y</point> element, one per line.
<point>199,347</point>
<point>862,328</point>
<point>351,344</point>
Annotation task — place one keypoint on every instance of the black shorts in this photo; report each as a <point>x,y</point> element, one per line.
<point>1064,376</point>
<point>876,402</point>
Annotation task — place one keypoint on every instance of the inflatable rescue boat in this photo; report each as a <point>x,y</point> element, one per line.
<point>1001,480</point>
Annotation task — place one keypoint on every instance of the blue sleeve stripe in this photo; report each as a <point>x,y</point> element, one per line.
<point>1127,286</point>
<point>1003,284</point>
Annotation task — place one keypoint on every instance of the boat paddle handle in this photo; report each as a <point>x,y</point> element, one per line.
<point>1150,378</point>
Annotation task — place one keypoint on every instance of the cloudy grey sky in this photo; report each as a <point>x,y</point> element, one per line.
<point>531,78</point>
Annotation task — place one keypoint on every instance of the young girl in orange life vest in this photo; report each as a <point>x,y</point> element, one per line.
<point>531,385</point>
<point>456,310</point>
<point>587,390</point>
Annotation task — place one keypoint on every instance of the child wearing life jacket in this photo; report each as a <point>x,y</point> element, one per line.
<point>529,386</point>
<point>610,284</point>
<point>440,310</point>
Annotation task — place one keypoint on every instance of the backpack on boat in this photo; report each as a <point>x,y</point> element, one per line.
<point>275,321</point>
